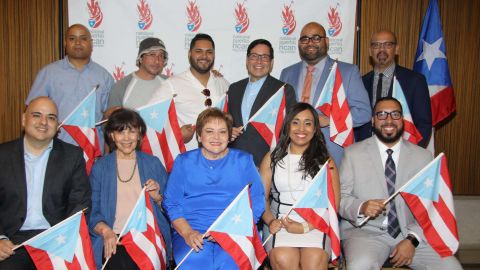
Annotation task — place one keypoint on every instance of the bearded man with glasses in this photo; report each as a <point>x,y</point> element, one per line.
<point>309,76</point>
<point>379,83</point>
<point>247,96</point>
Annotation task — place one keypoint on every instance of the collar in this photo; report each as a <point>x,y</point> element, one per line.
<point>318,66</point>
<point>388,72</point>
<point>257,82</point>
<point>383,148</point>
<point>66,63</point>
<point>27,153</point>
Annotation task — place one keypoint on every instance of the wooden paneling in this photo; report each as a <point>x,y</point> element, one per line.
<point>30,40</point>
<point>461,25</point>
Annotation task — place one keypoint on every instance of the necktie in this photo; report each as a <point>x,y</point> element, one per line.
<point>390,175</point>
<point>307,85</point>
<point>379,88</point>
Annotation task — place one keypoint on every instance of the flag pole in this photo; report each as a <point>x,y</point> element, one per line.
<point>215,223</point>
<point>76,107</point>
<point>125,225</point>
<point>404,186</point>
<point>26,242</point>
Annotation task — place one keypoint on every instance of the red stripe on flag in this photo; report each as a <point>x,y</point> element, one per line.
<point>74,265</point>
<point>40,258</point>
<point>445,174</point>
<point>146,147</point>
<point>313,218</point>
<point>415,136</point>
<point>172,117</point>
<point>431,234</point>
<point>280,116</point>
<point>443,104</point>
<point>86,244</point>
<point>92,151</point>
<point>447,216</point>
<point>264,131</point>
<point>165,148</point>
<point>136,253</point>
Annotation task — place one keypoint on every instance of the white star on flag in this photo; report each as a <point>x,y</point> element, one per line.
<point>236,219</point>
<point>154,115</point>
<point>85,113</point>
<point>428,183</point>
<point>60,239</point>
<point>318,193</point>
<point>273,112</point>
<point>431,52</point>
<point>139,214</point>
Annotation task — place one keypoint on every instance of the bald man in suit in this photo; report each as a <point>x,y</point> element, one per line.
<point>392,233</point>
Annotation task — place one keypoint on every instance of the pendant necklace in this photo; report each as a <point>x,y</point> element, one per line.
<point>131,176</point>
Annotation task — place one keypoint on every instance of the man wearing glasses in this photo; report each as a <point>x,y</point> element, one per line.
<point>247,96</point>
<point>195,89</point>
<point>309,76</point>
<point>371,171</point>
<point>379,83</point>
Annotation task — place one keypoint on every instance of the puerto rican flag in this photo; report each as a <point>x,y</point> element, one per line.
<point>333,103</point>
<point>431,61</point>
<point>66,245</point>
<point>164,137</point>
<point>411,133</point>
<point>235,231</point>
<point>222,104</point>
<point>80,124</point>
<point>142,237</point>
<point>317,207</point>
<point>429,197</point>
<point>269,118</point>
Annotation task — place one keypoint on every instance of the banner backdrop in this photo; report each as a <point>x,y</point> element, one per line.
<point>118,26</point>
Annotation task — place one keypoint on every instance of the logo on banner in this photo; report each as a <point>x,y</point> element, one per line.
<point>289,22</point>
<point>145,15</point>
<point>334,22</point>
<point>193,16</point>
<point>118,72</point>
<point>168,71</point>
<point>96,15</point>
<point>241,16</point>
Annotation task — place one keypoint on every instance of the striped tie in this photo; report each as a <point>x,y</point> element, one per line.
<point>390,175</point>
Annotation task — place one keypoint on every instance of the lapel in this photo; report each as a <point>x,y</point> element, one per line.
<point>323,78</point>
<point>376,163</point>
<point>368,82</point>
<point>235,98</point>
<point>19,171</point>
<point>53,167</point>
<point>295,78</point>
<point>403,164</point>
<point>264,94</point>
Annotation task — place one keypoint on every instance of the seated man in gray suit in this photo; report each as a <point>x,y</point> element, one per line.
<point>371,171</point>
<point>247,96</point>
<point>43,181</point>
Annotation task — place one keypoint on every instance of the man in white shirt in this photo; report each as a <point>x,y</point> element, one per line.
<point>196,88</point>
<point>370,172</point>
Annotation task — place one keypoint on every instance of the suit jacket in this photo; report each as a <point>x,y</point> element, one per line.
<point>251,141</point>
<point>363,178</point>
<point>103,179</point>
<point>416,93</point>
<point>66,188</point>
<point>355,91</point>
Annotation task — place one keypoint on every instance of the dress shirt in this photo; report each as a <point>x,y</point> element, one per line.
<point>68,86</point>
<point>35,167</point>
<point>316,74</point>
<point>189,100</point>
<point>386,82</point>
<point>249,97</point>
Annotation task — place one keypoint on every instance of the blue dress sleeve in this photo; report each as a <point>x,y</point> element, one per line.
<point>257,192</point>
<point>174,192</point>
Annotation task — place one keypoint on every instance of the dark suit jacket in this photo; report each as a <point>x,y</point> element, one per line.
<point>251,141</point>
<point>66,189</point>
<point>415,89</point>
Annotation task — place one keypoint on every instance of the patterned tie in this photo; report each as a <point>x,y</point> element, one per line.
<point>390,175</point>
<point>307,84</point>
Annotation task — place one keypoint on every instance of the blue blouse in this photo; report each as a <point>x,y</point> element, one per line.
<point>199,189</point>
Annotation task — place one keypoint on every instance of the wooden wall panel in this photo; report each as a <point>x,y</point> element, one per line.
<point>461,25</point>
<point>30,40</point>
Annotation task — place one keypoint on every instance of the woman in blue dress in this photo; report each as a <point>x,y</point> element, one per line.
<point>202,184</point>
<point>117,180</point>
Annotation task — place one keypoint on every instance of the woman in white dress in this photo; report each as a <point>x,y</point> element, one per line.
<point>286,172</point>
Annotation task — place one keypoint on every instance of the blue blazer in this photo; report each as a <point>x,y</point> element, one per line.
<point>354,90</point>
<point>416,93</point>
<point>103,180</point>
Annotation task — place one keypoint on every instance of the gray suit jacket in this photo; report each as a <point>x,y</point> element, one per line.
<point>362,178</point>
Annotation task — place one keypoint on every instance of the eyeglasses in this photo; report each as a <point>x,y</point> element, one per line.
<point>383,115</point>
<point>208,100</point>
<point>386,45</point>
<point>314,39</point>
<point>261,57</point>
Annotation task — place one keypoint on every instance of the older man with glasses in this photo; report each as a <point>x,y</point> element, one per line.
<point>309,76</point>
<point>379,83</point>
<point>247,96</point>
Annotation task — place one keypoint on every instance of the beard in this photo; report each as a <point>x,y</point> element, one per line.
<point>312,56</point>
<point>386,138</point>
<point>200,69</point>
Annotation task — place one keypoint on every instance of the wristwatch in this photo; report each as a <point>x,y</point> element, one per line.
<point>413,240</point>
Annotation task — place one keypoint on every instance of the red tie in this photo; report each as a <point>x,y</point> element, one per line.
<point>307,85</point>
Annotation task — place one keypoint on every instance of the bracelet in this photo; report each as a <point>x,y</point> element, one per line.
<point>306,228</point>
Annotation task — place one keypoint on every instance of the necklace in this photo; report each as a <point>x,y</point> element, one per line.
<point>131,176</point>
